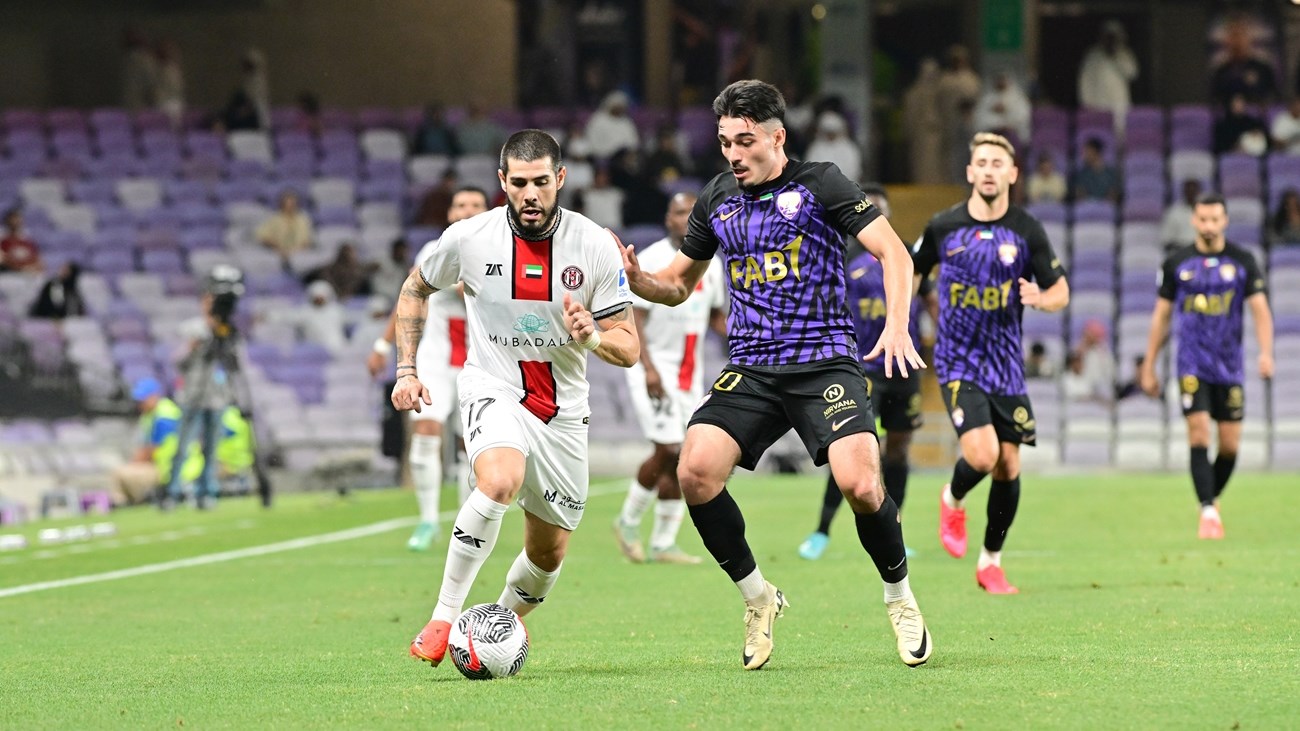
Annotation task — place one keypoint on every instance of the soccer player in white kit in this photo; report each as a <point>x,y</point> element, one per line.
<point>665,388</point>
<point>542,287</point>
<point>440,357</point>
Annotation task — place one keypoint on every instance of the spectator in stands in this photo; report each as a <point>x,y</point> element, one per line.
<point>1107,70</point>
<point>667,162</point>
<point>255,86</point>
<point>150,466</point>
<point>1239,130</point>
<point>1176,227</point>
<point>140,72</point>
<point>169,89</point>
<point>1285,226</point>
<point>1095,179</point>
<point>1242,70</point>
<point>1131,387</point>
<point>1090,369</point>
<point>238,114</point>
<point>478,134</point>
<point>59,296</point>
<point>643,200</point>
<point>831,143</point>
<point>308,118</point>
<point>610,129</point>
<point>1046,183</point>
<point>18,252</point>
<point>434,136</point>
<point>1037,365</point>
<point>347,274</point>
<point>1285,129</point>
<point>288,230</point>
<point>436,202</point>
<point>958,89</point>
<point>923,125</point>
<point>320,320</point>
<point>392,270</point>
<point>602,202</point>
<point>1004,109</point>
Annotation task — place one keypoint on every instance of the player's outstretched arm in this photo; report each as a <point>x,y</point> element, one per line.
<point>1263,332</point>
<point>668,286</point>
<point>1160,317</point>
<point>895,342</point>
<point>615,340</point>
<point>383,346</point>
<point>410,393</point>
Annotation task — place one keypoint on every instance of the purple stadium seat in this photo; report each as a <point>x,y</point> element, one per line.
<point>335,216</point>
<point>180,284</point>
<point>1284,257</point>
<point>22,119</point>
<point>156,141</point>
<point>200,214</point>
<point>98,190</point>
<point>187,192</point>
<point>1143,207</point>
<point>66,118</point>
<point>381,118</point>
<point>1093,211</point>
<point>641,235</point>
<point>203,237</point>
<point>1243,234</point>
<point>336,118</point>
<point>238,191</point>
<point>345,165</point>
<point>151,119</point>
<point>162,261</point>
<point>1239,176</point>
<point>205,144</point>
<point>1048,212</point>
<point>388,191</point>
<point>112,261</point>
<point>295,165</point>
<point>247,169</point>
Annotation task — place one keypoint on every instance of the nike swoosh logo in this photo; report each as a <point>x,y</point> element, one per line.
<point>920,652</point>
<point>900,563</point>
<point>729,214</point>
<point>835,425</point>
<point>957,250</point>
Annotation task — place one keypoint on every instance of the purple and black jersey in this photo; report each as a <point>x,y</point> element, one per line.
<point>978,339</point>
<point>866,292</point>
<point>1208,292</point>
<point>783,246</point>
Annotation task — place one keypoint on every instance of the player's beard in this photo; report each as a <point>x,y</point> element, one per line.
<point>534,231</point>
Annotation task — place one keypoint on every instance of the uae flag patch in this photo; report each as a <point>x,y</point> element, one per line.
<point>533,271</point>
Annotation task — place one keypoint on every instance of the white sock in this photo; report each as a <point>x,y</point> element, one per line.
<point>464,479</point>
<point>668,520</point>
<point>527,585</point>
<point>952,502</point>
<point>475,533</point>
<point>897,591</point>
<point>753,589</point>
<point>638,500</point>
<point>988,558</point>
<point>426,472</point>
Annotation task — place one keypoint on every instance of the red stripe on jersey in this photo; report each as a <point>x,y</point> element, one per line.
<point>539,389</point>
<point>456,331</point>
<point>537,253</point>
<point>686,374</point>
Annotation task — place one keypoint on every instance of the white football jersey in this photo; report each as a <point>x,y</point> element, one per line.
<point>514,295</point>
<point>674,336</point>
<point>445,318</point>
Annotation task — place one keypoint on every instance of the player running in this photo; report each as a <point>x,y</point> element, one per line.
<point>780,226</point>
<point>1203,288</point>
<point>543,286</point>
<point>987,251</point>
<point>665,387</point>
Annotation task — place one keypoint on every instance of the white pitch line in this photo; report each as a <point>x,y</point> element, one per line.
<point>251,552</point>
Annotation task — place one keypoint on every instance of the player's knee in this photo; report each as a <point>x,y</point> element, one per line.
<point>865,492</point>
<point>982,460</point>
<point>697,481</point>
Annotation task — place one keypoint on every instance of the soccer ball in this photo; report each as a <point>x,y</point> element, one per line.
<point>488,641</point>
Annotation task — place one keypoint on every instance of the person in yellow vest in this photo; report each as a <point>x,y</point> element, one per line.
<point>234,445</point>
<point>150,466</point>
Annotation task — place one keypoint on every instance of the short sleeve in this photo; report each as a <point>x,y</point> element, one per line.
<point>925,252</point>
<point>849,208</point>
<point>442,267</point>
<point>1043,262</point>
<point>701,243</point>
<point>1254,277</point>
<point>1168,281</point>
<point>609,293</point>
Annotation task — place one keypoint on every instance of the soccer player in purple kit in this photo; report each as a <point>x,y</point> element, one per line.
<point>987,251</point>
<point>897,400</point>
<point>1203,289</point>
<point>779,225</point>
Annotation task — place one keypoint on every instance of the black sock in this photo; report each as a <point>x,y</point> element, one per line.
<point>1202,475</point>
<point>964,479</point>
<point>882,535</point>
<point>830,503</point>
<point>1004,498</point>
<point>1223,466</point>
<point>895,476</point>
<point>722,529</point>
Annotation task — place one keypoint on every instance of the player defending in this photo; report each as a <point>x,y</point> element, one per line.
<point>1203,287</point>
<point>897,400</point>
<point>442,354</point>
<point>542,287</point>
<point>987,251</point>
<point>780,225</point>
<point>665,386</point>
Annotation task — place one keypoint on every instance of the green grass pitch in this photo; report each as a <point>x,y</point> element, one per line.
<point>1125,620</point>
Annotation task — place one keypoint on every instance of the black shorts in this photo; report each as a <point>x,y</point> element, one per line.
<point>1224,401</point>
<point>821,401</point>
<point>970,407</point>
<point>897,401</point>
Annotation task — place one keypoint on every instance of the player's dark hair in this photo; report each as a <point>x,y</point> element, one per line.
<point>757,101</point>
<point>1095,143</point>
<point>1212,199</point>
<point>487,202</point>
<point>530,145</point>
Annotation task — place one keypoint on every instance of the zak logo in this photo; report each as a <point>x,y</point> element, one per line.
<point>571,278</point>
<point>788,203</point>
<point>493,270</point>
<point>1007,254</point>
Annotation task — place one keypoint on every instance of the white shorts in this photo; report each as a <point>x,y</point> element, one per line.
<point>556,475</point>
<point>663,421</point>
<point>431,362</point>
